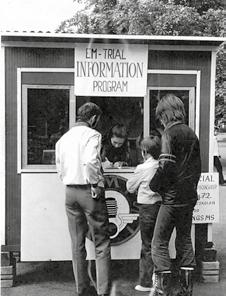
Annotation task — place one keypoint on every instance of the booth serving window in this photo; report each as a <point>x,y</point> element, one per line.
<point>45,118</point>
<point>124,110</point>
<point>185,94</point>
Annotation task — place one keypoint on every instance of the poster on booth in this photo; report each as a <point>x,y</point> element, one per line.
<point>207,207</point>
<point>110,70</point>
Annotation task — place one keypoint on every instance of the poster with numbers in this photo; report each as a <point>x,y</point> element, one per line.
<point>207,207</point>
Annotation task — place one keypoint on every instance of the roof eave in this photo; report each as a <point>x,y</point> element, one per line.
<point>102,38</point>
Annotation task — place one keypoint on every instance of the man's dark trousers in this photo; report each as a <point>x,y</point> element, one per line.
<point>88,214</point>
<point>171,216</point>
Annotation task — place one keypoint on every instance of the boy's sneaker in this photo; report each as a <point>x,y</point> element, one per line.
<point>142,289</point>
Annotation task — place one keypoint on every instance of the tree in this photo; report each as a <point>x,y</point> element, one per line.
<point>219,94</point>
<point>150,17</point>
<point>153,17</point>
<point>201,5</point>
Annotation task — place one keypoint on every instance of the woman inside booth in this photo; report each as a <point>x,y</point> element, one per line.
<point>115,149</point>
<point>121,126</point>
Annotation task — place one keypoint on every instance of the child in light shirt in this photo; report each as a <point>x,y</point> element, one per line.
<point>149,203</point>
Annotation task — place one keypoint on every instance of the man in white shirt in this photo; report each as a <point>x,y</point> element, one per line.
<point>78,163</point>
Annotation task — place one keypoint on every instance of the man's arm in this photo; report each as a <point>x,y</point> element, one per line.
<point>166,172</point>
<point>57,157</point>
<point>93,161</point>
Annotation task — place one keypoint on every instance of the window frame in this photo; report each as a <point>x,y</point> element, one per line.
<point>191,91</point>
<point>22,152</point>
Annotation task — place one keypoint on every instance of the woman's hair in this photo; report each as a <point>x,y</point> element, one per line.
<point>151,145</point>
<point>86,111</point>
<point>119,131</point>
<point>170,109</point>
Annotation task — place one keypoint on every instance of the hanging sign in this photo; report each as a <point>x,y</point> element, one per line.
<point>110,70</point>
<point>207,207</point>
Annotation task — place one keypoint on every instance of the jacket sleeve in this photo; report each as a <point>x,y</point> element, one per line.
<point>166,172</point>
<point>93,160</point>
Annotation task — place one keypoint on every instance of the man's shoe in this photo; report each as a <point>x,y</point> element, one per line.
<point>161,284</point>
<point>186,281</point>
<point>90,291</point>
<point>142,288</point>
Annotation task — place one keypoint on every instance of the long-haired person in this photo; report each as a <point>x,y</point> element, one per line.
<point>115,151</point>
<point>176,181</point>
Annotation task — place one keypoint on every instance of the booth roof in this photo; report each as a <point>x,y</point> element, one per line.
<point>32,37</point>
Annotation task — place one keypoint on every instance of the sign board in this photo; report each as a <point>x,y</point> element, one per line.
<point>207,207</point>
<point>111,70</point>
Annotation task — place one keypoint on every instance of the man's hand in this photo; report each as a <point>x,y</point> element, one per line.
<point>96,192</point>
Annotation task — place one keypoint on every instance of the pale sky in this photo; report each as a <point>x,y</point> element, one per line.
<point>28,15</point>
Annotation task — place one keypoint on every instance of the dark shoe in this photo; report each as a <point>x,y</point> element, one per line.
<point>161,284</point>
<point>186,281</point>
<point>90,291</point>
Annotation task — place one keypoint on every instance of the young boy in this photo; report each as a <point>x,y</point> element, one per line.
<point>149,204</point>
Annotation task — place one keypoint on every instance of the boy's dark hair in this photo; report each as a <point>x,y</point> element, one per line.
<point>86,111</point>
<point>170,109</point>
<point>119,130</point>
<point>151,145</point>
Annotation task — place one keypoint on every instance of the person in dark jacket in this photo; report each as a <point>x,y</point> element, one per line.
<point>176,181</point>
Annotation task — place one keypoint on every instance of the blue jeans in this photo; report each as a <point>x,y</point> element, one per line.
<point>147,215</point>
<point>87,214</point>
<point>170,216</point>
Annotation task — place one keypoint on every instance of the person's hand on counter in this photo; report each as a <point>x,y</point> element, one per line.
<point>120,164</point>
<point>107,164</point>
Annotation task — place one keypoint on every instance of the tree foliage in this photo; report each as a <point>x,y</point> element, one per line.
<point>153,17</point>
<point>150,17</point>
<point>219,94</point>
<point>201,5</point>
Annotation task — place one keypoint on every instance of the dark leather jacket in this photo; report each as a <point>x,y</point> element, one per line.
<point>179,169</point>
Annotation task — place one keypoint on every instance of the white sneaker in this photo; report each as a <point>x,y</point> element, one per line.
<point>142,289</point>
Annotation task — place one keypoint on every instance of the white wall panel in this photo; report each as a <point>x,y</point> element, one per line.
<point>44,230</point>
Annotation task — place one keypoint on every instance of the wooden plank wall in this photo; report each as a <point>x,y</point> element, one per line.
<point>22,57</point>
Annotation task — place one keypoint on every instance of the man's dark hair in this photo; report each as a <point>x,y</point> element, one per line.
<point>151,145</point>
<point>86,111</point>
<point>170,109</point>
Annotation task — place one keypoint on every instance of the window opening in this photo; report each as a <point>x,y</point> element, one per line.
<point>45,120</point>
<point>124,110</point>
